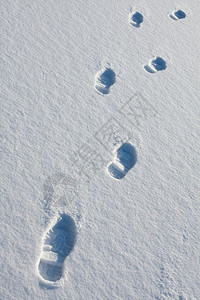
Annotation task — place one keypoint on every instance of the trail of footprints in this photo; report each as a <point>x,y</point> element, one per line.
<point>106,77</point>
<point>60,238</point>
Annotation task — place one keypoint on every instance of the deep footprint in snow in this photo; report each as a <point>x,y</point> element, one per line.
<point>58,242</point>
<point>177,14</point>
<point>104,79</point>
<point>125,159</point>
<point>155,65</point>
<point>136,19</point>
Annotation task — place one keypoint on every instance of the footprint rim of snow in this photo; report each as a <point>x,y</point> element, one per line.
<point>136,19</point>
<point>124,159</point>
<point>155,65</point>
<point>104,79</point>
<point>178,15</point>
<point>70,229</point>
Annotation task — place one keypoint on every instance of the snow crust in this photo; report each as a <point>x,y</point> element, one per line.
<point>137,236</point>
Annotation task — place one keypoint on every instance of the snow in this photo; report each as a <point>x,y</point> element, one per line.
<point>137,237</point>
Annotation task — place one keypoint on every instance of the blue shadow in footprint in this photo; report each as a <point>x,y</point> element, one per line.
<point>155,65</point>
<point>58,242</point>
<point>136,19</point>
<point>104,80</point>
<point>159,64</point>
<point>177,15</point>
<point>125,159</point>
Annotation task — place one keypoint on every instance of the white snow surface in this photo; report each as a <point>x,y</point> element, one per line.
<point>137,237</point>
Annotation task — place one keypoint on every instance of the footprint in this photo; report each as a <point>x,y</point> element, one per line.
<point>104,79</point>
<point>155,65</point>
<point>136,19</point>
<point>177,14</point>
<point>58,242</point>
<point>125,159</point>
